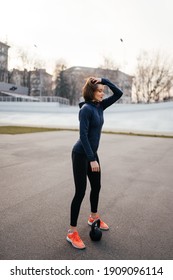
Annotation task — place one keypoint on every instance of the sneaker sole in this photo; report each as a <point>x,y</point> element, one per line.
<point>90,224</point>
<point>69,240</point>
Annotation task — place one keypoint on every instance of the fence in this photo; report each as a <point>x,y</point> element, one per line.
<point>58,99</point>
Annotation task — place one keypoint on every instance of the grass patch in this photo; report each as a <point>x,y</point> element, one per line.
<point>23,129</point>
<point>139,134</point>
<point>28,129</point>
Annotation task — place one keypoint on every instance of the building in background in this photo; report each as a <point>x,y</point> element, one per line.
<point>73,79</point>
<point>38,83</point>
<point>4,62</point>
<point>19,78</point>
<point>35,83</point>
<point>10,82</point>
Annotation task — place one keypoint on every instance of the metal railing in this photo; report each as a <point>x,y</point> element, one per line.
<point>58,99</point>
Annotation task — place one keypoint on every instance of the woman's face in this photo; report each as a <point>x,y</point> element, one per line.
<point>99,93</point>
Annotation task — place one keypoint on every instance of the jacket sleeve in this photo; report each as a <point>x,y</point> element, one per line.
<point>84,119</point>
<point>117,93</point>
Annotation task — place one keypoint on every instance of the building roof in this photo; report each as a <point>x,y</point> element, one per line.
<point>5,45</point>
<point>84,68</point>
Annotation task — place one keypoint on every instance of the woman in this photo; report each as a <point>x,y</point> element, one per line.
<point>84,153</point>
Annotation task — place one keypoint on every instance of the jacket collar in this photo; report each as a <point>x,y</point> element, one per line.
<point>93,103</point>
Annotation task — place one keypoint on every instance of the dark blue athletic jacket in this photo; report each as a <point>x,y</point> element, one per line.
<point>91,122</point>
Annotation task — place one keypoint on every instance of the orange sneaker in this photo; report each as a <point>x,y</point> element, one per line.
<point>103,225</point>
<point>75,240</point>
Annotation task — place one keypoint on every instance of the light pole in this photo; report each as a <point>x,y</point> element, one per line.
<point>123,59</point>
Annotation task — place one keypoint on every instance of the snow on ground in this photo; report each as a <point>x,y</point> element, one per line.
<point>152,118</point>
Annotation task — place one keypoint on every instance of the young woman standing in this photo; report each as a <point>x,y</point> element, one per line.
<point>84,153</point>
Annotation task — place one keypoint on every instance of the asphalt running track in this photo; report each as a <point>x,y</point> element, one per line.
<point>36,187</point>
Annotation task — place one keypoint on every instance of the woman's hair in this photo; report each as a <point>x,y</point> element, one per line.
<point>88,90</point>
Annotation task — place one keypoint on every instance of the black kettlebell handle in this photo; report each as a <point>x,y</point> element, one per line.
<point>95,233</point>
<point>96,223</point>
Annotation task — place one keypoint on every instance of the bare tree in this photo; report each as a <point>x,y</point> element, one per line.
<point>29,61</point>
<point>153,78</point>
<point>109,63</point>
<point>24,59</point>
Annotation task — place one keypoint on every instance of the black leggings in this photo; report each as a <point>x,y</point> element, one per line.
<point>82,169</point>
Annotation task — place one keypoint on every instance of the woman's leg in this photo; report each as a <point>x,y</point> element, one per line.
<point>95,182</point>
<point>80,174</point>
<point>79,163</point>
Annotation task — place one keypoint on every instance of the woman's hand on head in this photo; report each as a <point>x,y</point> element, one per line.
<point>95,80</point>
<point>95,166</point>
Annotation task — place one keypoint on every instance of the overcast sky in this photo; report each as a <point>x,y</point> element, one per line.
<point>84,31</point>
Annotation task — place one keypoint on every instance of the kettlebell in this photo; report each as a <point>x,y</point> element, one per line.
<point>95,233</point>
